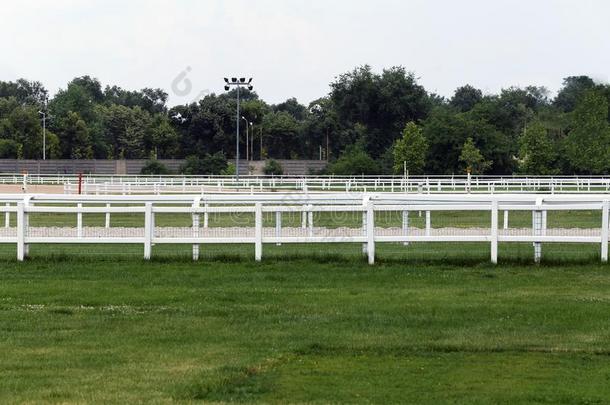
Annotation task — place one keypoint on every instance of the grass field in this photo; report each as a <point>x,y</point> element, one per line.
<point>308,324</point>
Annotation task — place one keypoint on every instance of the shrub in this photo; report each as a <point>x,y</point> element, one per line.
<point>273,167</point>
<point>153,166</point>
<point>354,161</point>
<point>209,164</point>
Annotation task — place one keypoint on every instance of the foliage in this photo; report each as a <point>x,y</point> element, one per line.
<point>365,110</point>
<point>354,161</point>
<point>410,150</point>
<point>9,149</point>
<point>209,164</point>
<point>153,166</point>
<point>588,143</point>
<point>273,167</point>
<point>537,153</point>
<point>473,159</point>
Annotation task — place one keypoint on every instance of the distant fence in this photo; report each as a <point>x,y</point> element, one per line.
<point>138,184</point>
<point>133,166</point>
<point>283,218</point>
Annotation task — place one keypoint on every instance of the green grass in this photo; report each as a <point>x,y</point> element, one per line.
<point>309,324</point>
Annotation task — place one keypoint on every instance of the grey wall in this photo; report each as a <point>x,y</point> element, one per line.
<point>67,166</point>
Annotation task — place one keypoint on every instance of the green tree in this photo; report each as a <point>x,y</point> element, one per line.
<point>536,153</point>
<point>588,143</point>
<point>472,158</point>
<point>75,138</point>
<point>273,167</point>
<point>466,97</point>
<point>410,150</point>
<point>354,161</point>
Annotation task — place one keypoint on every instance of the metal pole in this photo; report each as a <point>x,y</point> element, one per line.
<point>237,141</point>
<point>44,136</point>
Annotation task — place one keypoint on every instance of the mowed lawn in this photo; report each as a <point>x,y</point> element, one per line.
<point>114,329</point>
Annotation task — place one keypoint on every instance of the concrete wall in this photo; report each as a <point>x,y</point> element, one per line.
<point>68,166</point>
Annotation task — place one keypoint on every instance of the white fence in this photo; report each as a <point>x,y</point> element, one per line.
<point>125,185</point>
<point>232,228</point>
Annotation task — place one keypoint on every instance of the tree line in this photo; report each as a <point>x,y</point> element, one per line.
<point>369,123</point>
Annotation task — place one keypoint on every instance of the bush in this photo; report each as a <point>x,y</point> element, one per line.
<point>273,167</point>
<point>154,167</point>
<point>9,149</point>
<point>209,164</point>
<point>354,161</point>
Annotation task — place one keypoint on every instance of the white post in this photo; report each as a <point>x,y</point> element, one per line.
<point>206,216</point>
<point>505,219</point>
<point>21,231</point>
<point>537,229</point>
<point>428,223</point>
<point>304,218</point>
<point>544,222</point>
<point>405,225</point>
<point>7,217</point>
<point>365,201</point>
<point>148,230</point>
<point>195,227</point>
<point>278,226</point>
<point>494,231</point>
<point>370,231</point>
<point>310,220</point>
<point>26,226</point>
<point>605,230</point>
<point>79,221</point>
<point>107,222</point>
<point>258,231</point>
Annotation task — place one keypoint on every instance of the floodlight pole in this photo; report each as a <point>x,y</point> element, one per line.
<point>237,142</point>
<point>238,83</point>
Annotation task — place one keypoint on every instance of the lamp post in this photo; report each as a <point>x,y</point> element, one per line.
<point>238,84</point>
<point>44,134</point>
<point>248,128</point>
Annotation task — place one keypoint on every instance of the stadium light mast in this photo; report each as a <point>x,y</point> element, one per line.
<point>44,130</point>
<point>238,83</point>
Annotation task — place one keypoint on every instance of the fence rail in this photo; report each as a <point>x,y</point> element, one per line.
<point>105,185</point>
<point>320,218</point>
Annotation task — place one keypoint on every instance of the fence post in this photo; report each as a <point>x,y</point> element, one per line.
<point>428,223</point>
<point>21,231</point>
<point>107,224</point>
<point>505,225</point>
<point>365,201</point>
<point>258,231</point>
<point>605,230</point>
<point>148,230</point>
<point>278,226</point>
<point>405,225</point>
<point>310,220</point>
<point>494,232</point>
<point>370,231</point>
<point>195,227</point>
<point>7,217</point>
<point>537,230</point>
<point>79,221</point>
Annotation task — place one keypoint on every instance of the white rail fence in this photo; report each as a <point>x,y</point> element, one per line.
<point>258,220</point>
<point>125,185</point>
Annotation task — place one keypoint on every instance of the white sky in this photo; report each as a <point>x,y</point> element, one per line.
<point>296,48</point>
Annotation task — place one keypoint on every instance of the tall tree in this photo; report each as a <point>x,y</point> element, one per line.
<point>588,143</point>
<point>466,97</point>
<point>410,150</point>
<point>537,153</point>
<point>472,158</point>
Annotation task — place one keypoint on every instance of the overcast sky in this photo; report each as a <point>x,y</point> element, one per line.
<point>295,48</point>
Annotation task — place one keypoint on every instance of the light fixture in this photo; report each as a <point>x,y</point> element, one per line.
<point>242,79</point>
<point>234,80</point>
<point>226,80</point>
<point>226,88</point>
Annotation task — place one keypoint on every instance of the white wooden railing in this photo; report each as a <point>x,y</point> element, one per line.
<point>366,205</point>
<point>100,184</point>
